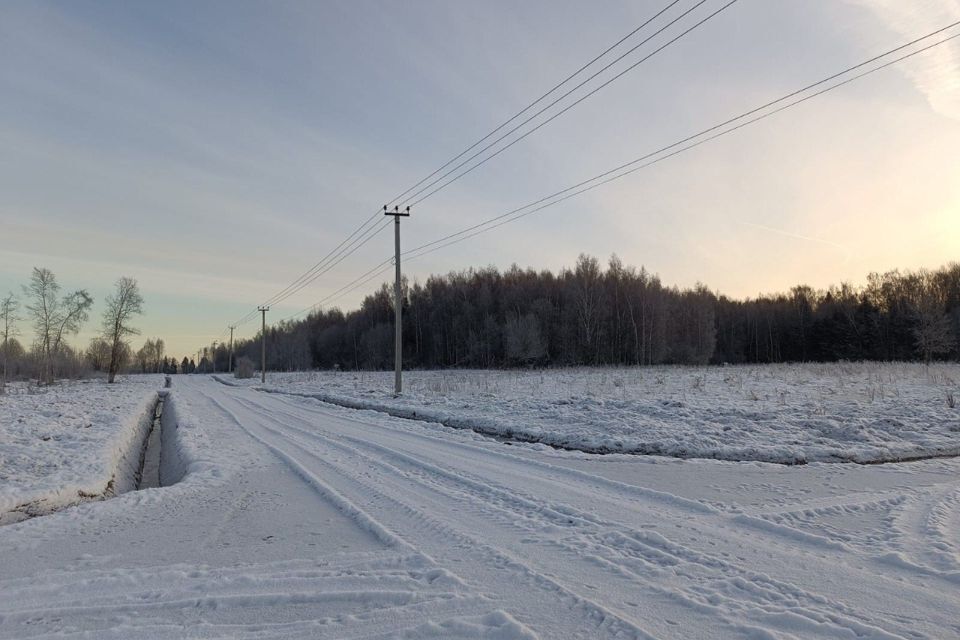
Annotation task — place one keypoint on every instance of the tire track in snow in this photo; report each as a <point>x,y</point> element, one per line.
<point>785,539</point>
<point>576,477</point>
<point>376,597</point>
<point>372,592</point>
<point>834,619</point>
<point>612,558</point>
<point>932,515</point>
<point>422,526</point>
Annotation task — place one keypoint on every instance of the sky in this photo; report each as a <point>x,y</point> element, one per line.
<point>216,150</point>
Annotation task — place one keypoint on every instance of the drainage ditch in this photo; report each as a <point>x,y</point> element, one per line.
<point>144,465</point>
<point>148,471</point>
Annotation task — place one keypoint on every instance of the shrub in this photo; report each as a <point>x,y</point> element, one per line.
<point>244,368</point>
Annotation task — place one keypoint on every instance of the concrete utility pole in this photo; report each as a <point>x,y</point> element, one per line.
<point>230,361</point>
<point>263,343</point>
<point>397,306</point>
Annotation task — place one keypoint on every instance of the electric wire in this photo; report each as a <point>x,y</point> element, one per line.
<point>346,252</point>
<point>319,264</point>
<point>537,101</point>
<point>310,274</point>
<point>631,167</point>
<point>676,144</point>
<point>330,264</point>
<point>635,165</point>
<point>380,268</point>
<point>620,74</point>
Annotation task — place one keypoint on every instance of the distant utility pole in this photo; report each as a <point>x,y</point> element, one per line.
<point>263,344</point>
<point>397,306</point>
<point>230,361</point>
<point>213,356</point>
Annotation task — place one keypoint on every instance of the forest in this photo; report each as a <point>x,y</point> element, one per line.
<point>620,315</point>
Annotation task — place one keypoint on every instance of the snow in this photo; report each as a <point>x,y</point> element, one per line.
<point>775,413</point>
<point>67,442</point>
<point>286,517</point>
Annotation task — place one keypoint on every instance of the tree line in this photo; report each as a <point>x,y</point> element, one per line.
<point>55,315</point>
<point>619,315</point>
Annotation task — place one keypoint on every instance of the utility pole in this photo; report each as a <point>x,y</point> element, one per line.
<point>230,361</point>
<point>263,344</point>
<point>397,306</point>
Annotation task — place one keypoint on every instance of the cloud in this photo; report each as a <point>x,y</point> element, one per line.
<point>836,245</point>
<point>936,73</point>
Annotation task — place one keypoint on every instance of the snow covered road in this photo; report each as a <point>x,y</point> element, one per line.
<point>301,519</point>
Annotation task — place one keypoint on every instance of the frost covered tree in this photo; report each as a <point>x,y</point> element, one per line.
<point>144,356</point>
<point>125,303</point>
<point>159,352</point>
<point>9,307</point>
<point>151,356</point>
<point>54,317</point>
<point>244,369</point>
<point>98,354</point>
<point>588,295</point>
<point>524,341</point>
<point>933,334</point>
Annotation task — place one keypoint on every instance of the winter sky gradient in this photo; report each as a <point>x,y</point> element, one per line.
<point>216,150</point>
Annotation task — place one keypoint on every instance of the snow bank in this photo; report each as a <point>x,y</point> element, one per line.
<point>792,414</point>
<point>72,441</point>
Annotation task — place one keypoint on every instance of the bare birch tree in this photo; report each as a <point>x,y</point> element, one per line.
<point>125,303</point>
<point>53,317</point>
<point>588,296</point>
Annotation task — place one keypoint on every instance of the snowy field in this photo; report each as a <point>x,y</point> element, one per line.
<point>64,443</point>
<point>287,517</point>
<point>870,412</point>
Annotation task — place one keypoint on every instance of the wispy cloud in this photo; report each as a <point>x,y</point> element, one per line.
<point>799,236</point>
<point>936,74</point>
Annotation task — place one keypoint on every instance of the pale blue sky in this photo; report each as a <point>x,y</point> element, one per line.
<point>215,150</point>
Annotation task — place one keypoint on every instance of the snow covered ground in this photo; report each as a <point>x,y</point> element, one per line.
<point>867,412</point>
<point>62,444</point>
<point>294,518</point>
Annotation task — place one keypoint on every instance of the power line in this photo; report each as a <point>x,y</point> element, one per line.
<point>351,286</point>
<point>313,272</point>
<point>344,253</point>
<point>631,167</point>
<point>322,260</point>
<point>545,202</point>
<point>676,144</point>
<point>566,108</point>
<point>332,260</point>
<point>537,101</point>
<point>634,165</point>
